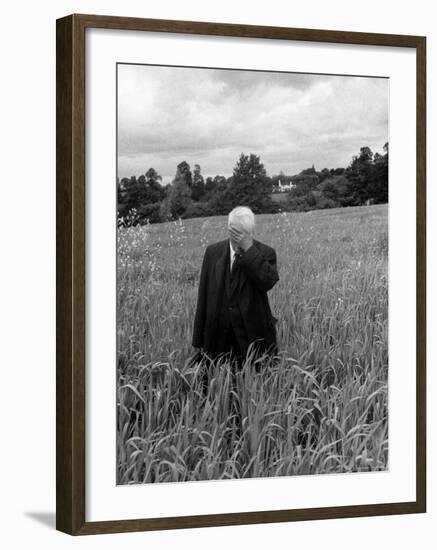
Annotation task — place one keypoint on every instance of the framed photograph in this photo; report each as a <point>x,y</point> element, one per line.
<point>240,274</point>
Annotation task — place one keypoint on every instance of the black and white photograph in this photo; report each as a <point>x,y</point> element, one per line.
<point>217,277</point>
<point>252,274</point>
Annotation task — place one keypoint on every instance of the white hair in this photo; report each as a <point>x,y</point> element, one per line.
<point>244,215</point>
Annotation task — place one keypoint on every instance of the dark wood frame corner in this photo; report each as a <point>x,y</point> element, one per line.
<point>70,274</point>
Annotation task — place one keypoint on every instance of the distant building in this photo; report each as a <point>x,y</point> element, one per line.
<point>284,187</point>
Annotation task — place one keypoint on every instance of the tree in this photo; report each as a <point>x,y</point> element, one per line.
<point>183,172</point>
<point>359,174</point>
<point>122,197</point>
<point>334,188</point>
<point>130,196</point>
<point>198,185</point>
<point>214,185</point>
<point>324,174</point>
<point>378,186</point>
<point>149,194</point>
<point>155,191</point>
<point>138,194</point>
<point>179,195</point>
<point>249,184</point>
<point>309,171</point>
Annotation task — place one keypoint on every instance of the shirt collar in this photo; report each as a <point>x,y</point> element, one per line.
<point>231,249</point>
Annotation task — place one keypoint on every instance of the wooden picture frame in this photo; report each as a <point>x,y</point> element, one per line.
<point>71,253</point>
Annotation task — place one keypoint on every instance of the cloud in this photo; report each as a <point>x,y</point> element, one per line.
<point>210,116</point>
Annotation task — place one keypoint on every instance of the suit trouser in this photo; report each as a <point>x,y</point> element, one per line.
<point>232,346</point>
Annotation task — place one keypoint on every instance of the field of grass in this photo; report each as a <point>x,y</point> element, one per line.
<point>319,407</point>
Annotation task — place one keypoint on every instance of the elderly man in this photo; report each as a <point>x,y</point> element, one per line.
<point>233,310</point>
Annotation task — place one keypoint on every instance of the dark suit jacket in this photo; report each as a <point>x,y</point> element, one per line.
<point>257,275</point>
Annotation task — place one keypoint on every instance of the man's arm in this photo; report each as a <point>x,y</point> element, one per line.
<point>260,268</point>
<point>199,318</point>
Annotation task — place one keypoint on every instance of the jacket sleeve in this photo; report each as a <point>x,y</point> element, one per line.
<point>199,318</point>
<point>260,268</point>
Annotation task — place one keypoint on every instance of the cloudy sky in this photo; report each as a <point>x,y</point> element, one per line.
<point>210,116</point>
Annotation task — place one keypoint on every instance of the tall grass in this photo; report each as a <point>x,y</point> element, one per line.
<point>320,406</point>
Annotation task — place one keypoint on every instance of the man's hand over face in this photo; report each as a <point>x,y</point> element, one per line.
<point>240,236</point>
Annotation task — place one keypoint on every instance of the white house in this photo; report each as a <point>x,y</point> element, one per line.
<point>284,187</point>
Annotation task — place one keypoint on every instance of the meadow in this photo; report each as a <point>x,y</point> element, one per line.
<point>319,407</point>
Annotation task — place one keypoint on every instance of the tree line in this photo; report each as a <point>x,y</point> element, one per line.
<point>144,199</point>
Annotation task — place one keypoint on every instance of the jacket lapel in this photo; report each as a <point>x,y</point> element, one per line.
<point>243,276</point>
<point>241,279</point>
<point>221,263</point>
